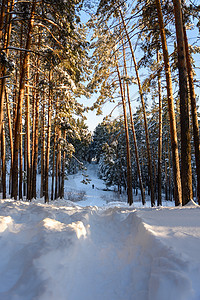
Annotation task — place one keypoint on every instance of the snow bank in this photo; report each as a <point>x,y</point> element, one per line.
<point>68,252</point>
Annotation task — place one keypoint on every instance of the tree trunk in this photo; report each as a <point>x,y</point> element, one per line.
<point>58,164</point>
<point>170,175</point>
<point>159,140</point>
<point>20,163</point>
<point>11,138</point>
<point>6,39</point>
<point>3,158</point>
<point>28,141</point>
<point>53,165</point>
<point>173,132</point>
<point>3,9</point>
<point>144,114</point>
<point>9,25</point>
<point>128,155</point>
<point>166,175</point>
<point>35,157</point>
<point>186,170</point>
<point>133,131</point>
<point>48,144</point>
<point>33,136</point>
<point>63,174</point>
<point>19,106</point>
<point>42,148</point>
<point>193,113</point>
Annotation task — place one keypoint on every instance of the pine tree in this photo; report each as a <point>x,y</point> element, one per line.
<point>186,171</point>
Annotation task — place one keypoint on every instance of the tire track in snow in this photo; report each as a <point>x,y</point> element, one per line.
<point>73,253</point>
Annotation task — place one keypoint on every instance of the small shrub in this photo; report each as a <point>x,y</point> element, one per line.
<point>75,196</point>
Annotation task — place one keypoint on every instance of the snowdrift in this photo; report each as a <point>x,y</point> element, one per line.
<point>68,252</point>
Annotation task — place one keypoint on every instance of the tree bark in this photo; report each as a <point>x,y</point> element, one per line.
<point>193,113</point>
<point>133,131</point>
<point>58,164</point>
<point>42,147</point>
<point>144,114</point>
<point>186,170</point>
<point>3,158</point>
<point>53,165</point>
<point>63,174</point>
<point>33,134</point>
<point>28,141</point>
<point>159,180</point>
<point>5,44</point>
<point>48,143</point>
<point>35,156</point>
<point>173,132</point>
<point>11,138</point>
<point>128,155</point>
<point>20,162</point>
<point>19,105</point>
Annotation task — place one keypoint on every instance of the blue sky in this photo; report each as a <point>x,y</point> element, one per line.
<point>93,120</point>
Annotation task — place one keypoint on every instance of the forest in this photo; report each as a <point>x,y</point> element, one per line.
<point>140,56</point>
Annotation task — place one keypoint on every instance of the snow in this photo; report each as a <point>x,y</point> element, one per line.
<point>98,249</point>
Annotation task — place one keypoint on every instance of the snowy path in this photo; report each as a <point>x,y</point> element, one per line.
<point>57,252</point>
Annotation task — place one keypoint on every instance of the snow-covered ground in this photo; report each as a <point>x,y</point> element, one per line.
<point>98,249</point>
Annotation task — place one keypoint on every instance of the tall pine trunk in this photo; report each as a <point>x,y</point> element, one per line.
<point>63,172</point>
<point>19,105</point>
<point>53,164</point>
<point>128,154</point>
<point>150,169</point>
<point>193,113</point>
<point>10,138</point>
<point>173,131</point>
<point>186,170</point>
<point>2,68</point>
<point>48,144</point>
<point>58,164</point>
<point>42,147</point>
<point>159,179</point>
<point>133,131</point>
<point>20,163</point>
<point>5,32</point>
<point>28,141</point>
<point>35,156</point>
<point>3,158</point>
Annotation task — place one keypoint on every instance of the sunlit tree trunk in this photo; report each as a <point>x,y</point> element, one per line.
<point>128,155</point>
<point>193,113</point>
<point>33,121</point>
<point>173,132</point>
<point>5,26</point>
<point>186,170</point>
<point>28,141</point>
<point>19,106</point>
<point>2,68</point>
<point>133,131</point>
<point>144,114</point>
